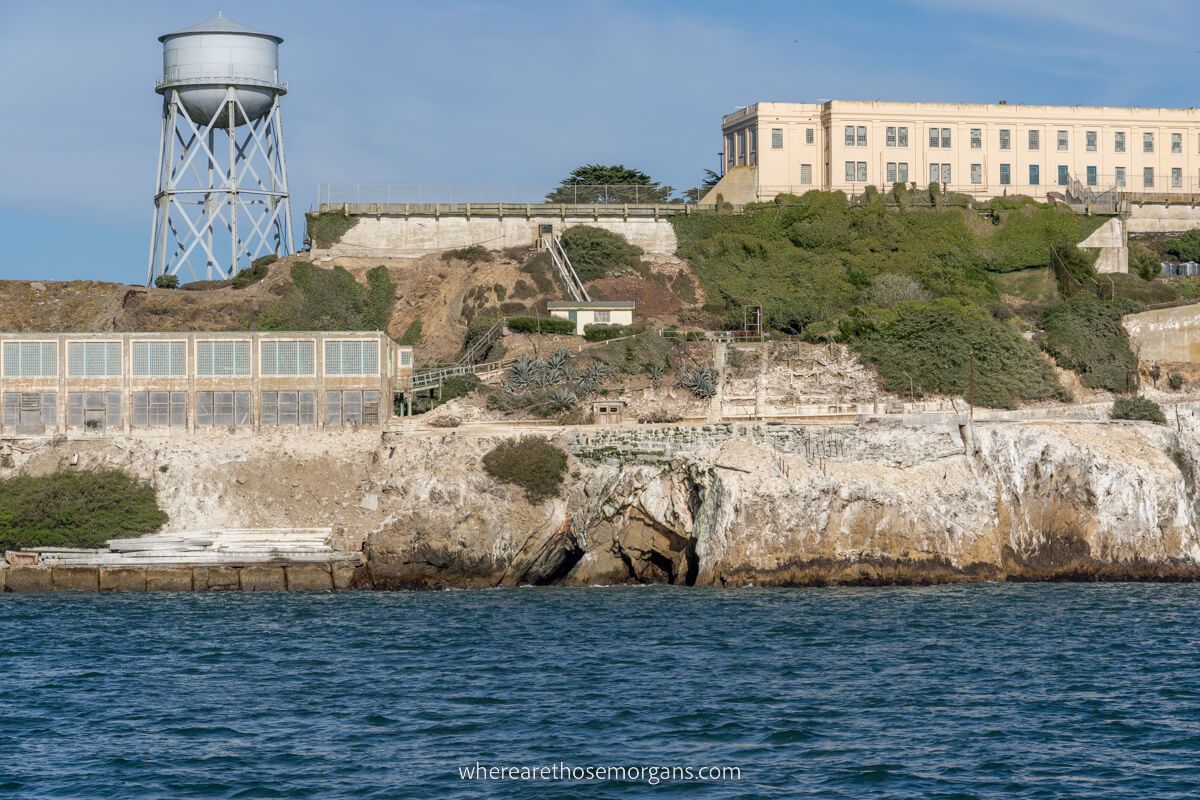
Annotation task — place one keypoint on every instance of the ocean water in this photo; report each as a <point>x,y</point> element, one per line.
<point>944,692</point>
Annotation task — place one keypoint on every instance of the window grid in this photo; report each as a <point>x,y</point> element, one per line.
<point>1176,142</point>
<point>1005,139</point>
<point>976,138</point>
<point>351,357</point>
<point>977,174</point>
<point>1063,141</point>
<point>1090,141</point>
<point>1119,142</point>
<point>776,138</point>
<point>93,359</point>
<point>222,358</point>
<point>160,359</point>
<point>1035,140</point>
<point>1005,174</point>
<point>287,357</point>
<point>902,137</point>
<point>1148,142</point>
<point>1035,174</point>
<point>806,174</point>
<point>31,359</point>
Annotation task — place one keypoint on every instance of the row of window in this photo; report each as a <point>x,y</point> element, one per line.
<point>736,144</point>
<point>940,138</point>
<point>96,412</point>
<point>213,358</point>
<point>897,172</point>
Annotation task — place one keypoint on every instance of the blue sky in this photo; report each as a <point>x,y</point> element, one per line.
<point>518,92</point>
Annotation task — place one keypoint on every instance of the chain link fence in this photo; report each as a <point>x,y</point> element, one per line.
<point>450,193</point>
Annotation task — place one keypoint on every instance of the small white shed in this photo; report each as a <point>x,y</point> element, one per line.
<point>594,312</point>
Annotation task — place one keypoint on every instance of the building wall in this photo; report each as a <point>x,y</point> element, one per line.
<point>587,316</point>
<point>779,157</point>
<point>394,236</point>
<point>393,373</point>
<point>1166,335</point>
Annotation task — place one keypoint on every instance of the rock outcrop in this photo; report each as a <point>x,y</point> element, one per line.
<point>722,506</point>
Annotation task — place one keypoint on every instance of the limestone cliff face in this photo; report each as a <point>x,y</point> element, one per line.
<point>720,505</point>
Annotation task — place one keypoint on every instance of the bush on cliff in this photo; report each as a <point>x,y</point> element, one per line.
<point>75,509</point>
<point>543,325</point>
<point>1085,335</point>
<point>928,347</point>
<point>596,253</point>
<point>531,463</point>
<point>327,229</point>
<point>1138,408</point>
<point>332,300</point>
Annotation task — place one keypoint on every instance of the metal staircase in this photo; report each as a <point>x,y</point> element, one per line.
<point>432,378</point>
<point>566,272</point>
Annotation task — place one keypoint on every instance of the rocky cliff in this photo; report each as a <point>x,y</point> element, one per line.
<point>717,505</point>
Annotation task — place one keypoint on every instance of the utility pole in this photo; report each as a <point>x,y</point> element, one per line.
<point>971,386</point>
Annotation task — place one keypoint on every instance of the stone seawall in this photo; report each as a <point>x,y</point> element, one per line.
<point>249,578</point>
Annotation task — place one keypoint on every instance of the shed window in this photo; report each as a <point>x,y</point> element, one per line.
<point>31,359</point>
<point>93,359</point>
<point>297,357</point>
<point>160,359</point>
<point>222,358</point>
<point>351,357</point>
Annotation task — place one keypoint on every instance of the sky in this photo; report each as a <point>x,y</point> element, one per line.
<point>479,96</point>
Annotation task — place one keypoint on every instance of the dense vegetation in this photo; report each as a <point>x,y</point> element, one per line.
<point>1185,247</point>
<point>602,333</point>
<point>601,183</point>
<point>912,282</point>
<point>531,463</point>
<point>1084,334</point>
<point>252,274</point>
<point>541,325</point>
<point>1138,408</point>
<point>75,509</point>
<point>596,253</point>
<point>328,228</point>
<point>470,254</point>
<point>332,300</point>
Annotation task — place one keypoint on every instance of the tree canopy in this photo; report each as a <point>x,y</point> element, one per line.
<point>599,183</point>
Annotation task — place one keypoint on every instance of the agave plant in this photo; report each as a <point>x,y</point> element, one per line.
<point>558,367</point>
<point>656,373</point>
<point>522,374</point>
<point>562,399</point>
<point>700,381</point>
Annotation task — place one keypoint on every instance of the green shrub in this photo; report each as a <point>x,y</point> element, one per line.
<point>540,268</point>
<point>205,286</point>
<point>1025,235</point>
<point>264,261</point>
<point>332,300</point>
<point>1185,246</point>
<point>596,253</point>
<point>459,386</point>
<point>75,509</point>
<point>543,325</point>
<point>888,288</point>
<point>412,334</point>
<point>531,463</point>
<point>470,254</point>
<point>167,282</point>
<point>602,333</point>
<point>1143,261</point>
<point>1175,381</point>
<point>1138,408</point>
<point>931,344</point>
<point>1085,335</point>
<point>327,229</point>
<point>253,274</point>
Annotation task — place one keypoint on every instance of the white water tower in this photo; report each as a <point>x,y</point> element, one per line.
<point>221,197</point>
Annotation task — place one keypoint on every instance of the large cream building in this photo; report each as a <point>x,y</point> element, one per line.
<point>983,150</point>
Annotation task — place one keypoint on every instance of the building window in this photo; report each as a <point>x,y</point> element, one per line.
<point>945,137</point>
<point>862,172</point>
<point>1148,142</point>
<point>1005,139</point>
<point>603,317</point>
<point>1090,141</point>
<point>902,136</point>
<point>30,359</point>
<point>222,358</point>
<point>93,359</point>
<point>849,172</point>
<point>1035,140</point>
<point>1176,142</point>
<point>753,146</point>
<point>935,173</point>
<point>891,172</point>
<point>934,139</point>
<point>1119,142</point>
<point>741,147</point>
<point>1091,176</point>
<point>94,412</point>
<point>902,172</point>
<point>776,138</point>
<point>406,358</point>
<point>977,174</point>
<point>160,359</point>
<point>287,357</point>
<point>1119,178</point>
<point>1063,141</point>
<point>890,137</point>
<point>976,138</point>
<point>1005,174</point>
<point>862,136</point>
<point>288,409</point>
<point>30,412</point>
<point>352,408</point>
<point>222,409</point>
<point>159,409</point>
<point>730,152</point>
<point>1148,177</point>
<point>808,135</point>
<point>351,357</point>
<point>1176,177</point>
<point>946,173</point>
<point>1064,175</point>
<point>849,136</point>
<point>1035,174</point>
<point>806,174</point>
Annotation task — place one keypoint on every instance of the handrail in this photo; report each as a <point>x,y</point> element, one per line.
<point>562,262</point>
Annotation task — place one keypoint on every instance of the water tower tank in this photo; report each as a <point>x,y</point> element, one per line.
<point>201,61</point>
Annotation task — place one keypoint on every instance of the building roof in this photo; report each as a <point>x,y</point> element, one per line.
<point>570,305</point>
<point>220,24</point>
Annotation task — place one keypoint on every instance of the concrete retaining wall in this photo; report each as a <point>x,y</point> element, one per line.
<point>1166,334</point>
<point>388,236</point>
<point>1162,218</point>
<point>250,578</point>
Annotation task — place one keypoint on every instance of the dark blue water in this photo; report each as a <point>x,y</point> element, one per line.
<point>978,691</point>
